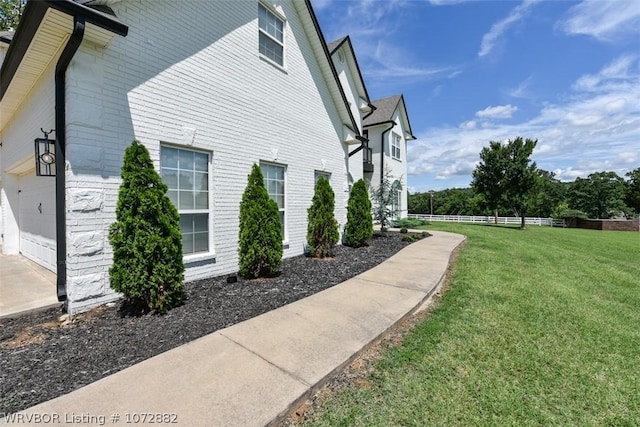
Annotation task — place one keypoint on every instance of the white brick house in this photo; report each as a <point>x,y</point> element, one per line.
<point>384,125</point>
<point>209,87</point>
<point>388,130</point>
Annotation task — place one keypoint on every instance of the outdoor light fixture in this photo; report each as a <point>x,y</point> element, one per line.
<point>45,155</point>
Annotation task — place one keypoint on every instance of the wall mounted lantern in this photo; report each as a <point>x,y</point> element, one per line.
<point>45,155</point>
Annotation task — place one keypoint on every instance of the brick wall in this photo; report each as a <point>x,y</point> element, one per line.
<point>608,224</point>
<point>189,74</point>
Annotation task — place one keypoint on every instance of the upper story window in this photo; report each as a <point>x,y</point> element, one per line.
<point>395,146</point>
<point>186,173</point>
<point>271,33</point>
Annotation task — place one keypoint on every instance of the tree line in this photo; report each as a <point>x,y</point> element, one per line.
<point>507,183</point>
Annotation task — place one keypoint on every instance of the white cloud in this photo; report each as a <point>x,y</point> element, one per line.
<point>470,124</point>
<point>618,72</point>
<point>497,112</point>
<point>595,127</point>
<point>604,20</point>
<point>521,91</point>
<point>458,168</point>
<point>490,39</point>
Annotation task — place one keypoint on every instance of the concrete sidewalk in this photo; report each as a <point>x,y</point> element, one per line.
<point>254,372</point>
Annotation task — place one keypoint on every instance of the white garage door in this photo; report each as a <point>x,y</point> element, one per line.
<point>37,219</point>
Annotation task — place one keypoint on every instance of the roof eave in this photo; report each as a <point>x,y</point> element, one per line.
<point>32,17</point>
<point>345,109</point>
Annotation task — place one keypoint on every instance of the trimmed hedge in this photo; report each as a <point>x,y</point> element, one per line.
<point>359,228</point>
<point>322,227</point>
<point>146,239</point>
<point>260,237</point>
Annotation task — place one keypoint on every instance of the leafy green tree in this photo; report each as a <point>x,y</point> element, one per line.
<point>632,193</point>
<point>507,177</point>
<point>383,197</point>
<point>451,201</point>
<point>322,227</point>
<point>146,239</point>
<point>553,194</point>
<point>600,195</point>
<point>10,13</point>
<point>260,246</point>
<point>359,228</point>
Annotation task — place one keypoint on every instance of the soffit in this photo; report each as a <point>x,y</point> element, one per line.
<point>44,49</point>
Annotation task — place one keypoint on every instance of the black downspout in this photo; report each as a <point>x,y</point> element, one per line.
<point>363,141</point>
<point>393,124</point>
<point>61,229</point>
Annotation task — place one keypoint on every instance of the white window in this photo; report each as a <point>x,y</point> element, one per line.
<point>186,173</point>
<point>271,35</point>
<point>395,146</point>
<point>274,181</point>
<point>318,174</point>
<point>396,197</point>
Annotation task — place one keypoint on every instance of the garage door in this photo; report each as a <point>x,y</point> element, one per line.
<point>37,219</point>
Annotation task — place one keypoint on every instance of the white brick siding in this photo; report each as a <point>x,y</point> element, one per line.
<point>190,74</point>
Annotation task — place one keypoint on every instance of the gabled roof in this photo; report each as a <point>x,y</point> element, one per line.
<point>385,110</point>
<point>334,46</point>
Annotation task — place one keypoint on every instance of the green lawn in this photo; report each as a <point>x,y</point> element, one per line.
<point>540,327</point>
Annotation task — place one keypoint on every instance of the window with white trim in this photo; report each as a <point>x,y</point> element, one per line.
<point>396,197</point>
<point>318,174</point>
<point>274,181</point>
<point>396,140</point>
<point>186,173</point>
<point>271,35</point>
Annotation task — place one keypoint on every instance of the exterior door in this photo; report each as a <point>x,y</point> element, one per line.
<point>37,219</point>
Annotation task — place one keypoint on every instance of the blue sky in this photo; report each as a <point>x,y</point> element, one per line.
<point>566,73</point>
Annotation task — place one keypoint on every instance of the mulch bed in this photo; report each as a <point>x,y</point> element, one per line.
<point>42,358</point>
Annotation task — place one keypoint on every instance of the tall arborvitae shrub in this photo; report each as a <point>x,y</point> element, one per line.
<point>322,227</point>
<point>359,227</point>
<point>260,249</point>
<point>146,239</point>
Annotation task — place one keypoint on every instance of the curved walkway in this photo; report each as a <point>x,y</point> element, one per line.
<point>254,372</point>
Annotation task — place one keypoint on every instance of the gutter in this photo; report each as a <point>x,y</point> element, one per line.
<point>363,141</point>
<point>61,124</point>
<point>393,124</point>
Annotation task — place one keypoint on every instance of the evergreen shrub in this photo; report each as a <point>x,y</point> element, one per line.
<point>260,237</point>
<point>359,228</point>
<point>146,239</point>
<point>322,227</point>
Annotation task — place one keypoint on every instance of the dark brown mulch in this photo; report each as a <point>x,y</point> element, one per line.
<point>40,358</point>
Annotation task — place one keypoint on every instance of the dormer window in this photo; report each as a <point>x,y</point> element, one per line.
<point>271,33</point>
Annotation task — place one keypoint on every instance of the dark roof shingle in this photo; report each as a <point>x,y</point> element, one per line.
<point>384,110</point>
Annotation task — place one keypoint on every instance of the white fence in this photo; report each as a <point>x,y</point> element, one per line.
<point>550,222</point>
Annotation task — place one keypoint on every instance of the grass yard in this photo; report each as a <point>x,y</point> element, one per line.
<point>540,327</point>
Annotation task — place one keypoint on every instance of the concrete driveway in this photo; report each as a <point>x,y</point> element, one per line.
<point>24,286</point>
